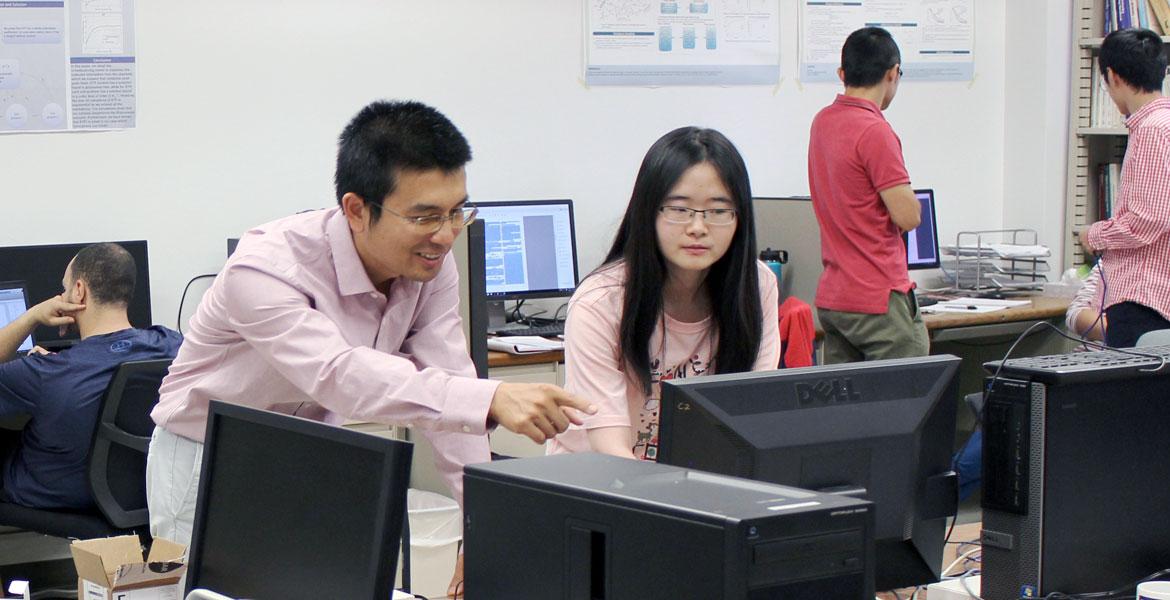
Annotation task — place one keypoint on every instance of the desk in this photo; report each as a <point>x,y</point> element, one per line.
<point>1012,321</point>
<point>498,360</point>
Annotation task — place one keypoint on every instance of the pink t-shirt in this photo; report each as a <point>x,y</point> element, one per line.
<point>595,372</point>
<point>853,154</point>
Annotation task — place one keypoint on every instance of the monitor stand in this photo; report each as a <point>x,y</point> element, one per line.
<point>498,317</point>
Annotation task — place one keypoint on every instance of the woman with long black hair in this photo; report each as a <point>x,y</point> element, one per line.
<point>680,294</point>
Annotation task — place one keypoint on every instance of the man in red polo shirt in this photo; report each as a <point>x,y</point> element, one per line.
<point>863,201</point>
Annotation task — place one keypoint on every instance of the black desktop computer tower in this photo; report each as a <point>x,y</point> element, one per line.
<point>1075,461</point>
<point>590,527</point>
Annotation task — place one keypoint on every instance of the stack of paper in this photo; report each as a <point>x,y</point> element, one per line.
<point>524,344</point>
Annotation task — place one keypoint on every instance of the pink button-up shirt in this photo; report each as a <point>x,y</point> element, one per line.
<point>293,324</point>
<point>1136,241</point>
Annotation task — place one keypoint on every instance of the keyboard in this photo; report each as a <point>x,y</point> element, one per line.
<point>1079,367</point>
<point>551,330</point>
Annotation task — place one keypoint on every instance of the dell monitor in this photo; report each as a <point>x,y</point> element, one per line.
<point>43,267</point>
<point>292,508</point>
<point>13,303</point>
<point>880,430</point>
<point>530,252</point>
<point>922,241</point>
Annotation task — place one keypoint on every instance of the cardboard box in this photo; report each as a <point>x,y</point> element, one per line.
<point>113,569</point>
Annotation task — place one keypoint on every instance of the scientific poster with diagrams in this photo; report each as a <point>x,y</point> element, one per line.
<point>936,37</point>
<point>67,65</point>
<point>679,42</point>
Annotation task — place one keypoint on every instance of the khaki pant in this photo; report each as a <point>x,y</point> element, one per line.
<point>172,485</point>
<point>855,337</point>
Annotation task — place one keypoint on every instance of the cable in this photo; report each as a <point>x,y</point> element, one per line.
<point>183,299</point>
<point>1101,307</point>
<point>995,377</point>
<point>516,315</point>
<point>960,559</point>
<point>966,587</point>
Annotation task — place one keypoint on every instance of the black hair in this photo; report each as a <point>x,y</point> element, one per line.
<point>732,283</point>
<point>387,137</point>
<point>866,56</point>
<point>108,270</point>
<point>1135,55</point>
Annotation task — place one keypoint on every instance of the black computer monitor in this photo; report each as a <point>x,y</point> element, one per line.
<point>43,267</point>
<point>922,242</point>
<point>292,508</point>
<point>530,251</point>
<point>881,430</point>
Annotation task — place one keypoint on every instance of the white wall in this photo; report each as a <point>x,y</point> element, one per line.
<point>1039,50</point>
<point>241,102</point>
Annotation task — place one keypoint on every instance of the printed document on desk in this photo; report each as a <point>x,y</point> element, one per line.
<point>974,305</point>
<point>1000,302</point>
<point>524,344</point>
<point>952,307</point>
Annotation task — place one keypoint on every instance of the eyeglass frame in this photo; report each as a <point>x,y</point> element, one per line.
<point>440,220</point>
<point>691,212</point>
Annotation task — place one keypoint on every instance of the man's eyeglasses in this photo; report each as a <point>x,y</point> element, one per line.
<point>681,215</point>
<point>430,224</point>
<point>899,71</point>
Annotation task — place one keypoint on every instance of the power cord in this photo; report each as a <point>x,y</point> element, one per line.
<point>1100,266</point>
<point>995,377</point>
<point>518,316</point>
<point>183,299</point>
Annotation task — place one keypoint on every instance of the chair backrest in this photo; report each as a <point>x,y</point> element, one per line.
<point>1157,337</point>
<point>117,462</point>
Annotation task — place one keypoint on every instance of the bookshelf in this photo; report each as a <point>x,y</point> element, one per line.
<point>1090,144</point>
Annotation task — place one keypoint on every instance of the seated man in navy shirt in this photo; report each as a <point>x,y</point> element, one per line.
<point>61,392</point>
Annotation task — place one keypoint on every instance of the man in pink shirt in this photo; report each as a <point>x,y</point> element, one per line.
<point>862,198</point>
<point>348,313</point>
<point>1135,242</point>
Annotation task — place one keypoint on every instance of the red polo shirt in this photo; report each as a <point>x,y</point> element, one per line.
<point>853,153</point>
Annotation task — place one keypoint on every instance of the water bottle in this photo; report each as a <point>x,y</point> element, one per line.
<point>775,260</point>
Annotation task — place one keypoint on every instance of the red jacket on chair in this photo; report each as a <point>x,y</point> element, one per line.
<point>796,333</point>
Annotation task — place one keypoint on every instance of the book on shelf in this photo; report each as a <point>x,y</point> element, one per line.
<point>1108,180</point>
<point>1103,111</point>
<point>1150,14</point>
<point>1161,16</point>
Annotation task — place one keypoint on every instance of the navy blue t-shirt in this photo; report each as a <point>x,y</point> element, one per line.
<point>62,393</point>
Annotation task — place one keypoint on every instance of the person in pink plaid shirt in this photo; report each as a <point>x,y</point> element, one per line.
<point>1135,243</point>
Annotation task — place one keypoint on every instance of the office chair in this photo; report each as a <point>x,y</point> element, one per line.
<point>1157,337</point>
<point>117,463</point>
